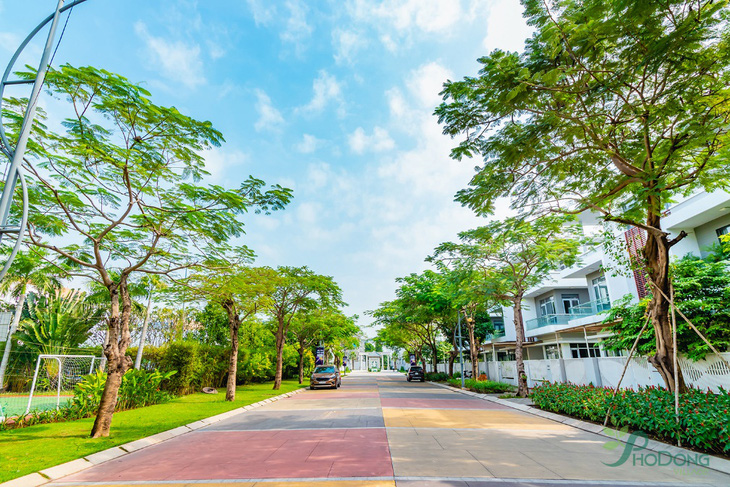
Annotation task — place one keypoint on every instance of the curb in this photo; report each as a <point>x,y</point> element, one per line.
<point>716,463</point>
<point>56,472</point>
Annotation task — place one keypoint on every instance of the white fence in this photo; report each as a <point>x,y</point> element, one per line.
<point>710,373</point>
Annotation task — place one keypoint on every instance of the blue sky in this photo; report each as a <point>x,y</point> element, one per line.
<point>332,98</point>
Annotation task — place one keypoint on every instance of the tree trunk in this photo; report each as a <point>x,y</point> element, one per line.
<point>9,342</point>
<point>115,351</point>
<point>234,325</point>
<point>473,352</point>
<point>656,255</point>
<point>145,324</point>
<point>301,363</point>
<point>452,358</point>
<point>435,352</point>
<point>280,335</point>
<point>520,339</point>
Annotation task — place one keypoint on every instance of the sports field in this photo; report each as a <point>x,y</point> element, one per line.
<point>15,404</point>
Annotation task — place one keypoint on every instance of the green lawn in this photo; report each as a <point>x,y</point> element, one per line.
<point>27,450</point>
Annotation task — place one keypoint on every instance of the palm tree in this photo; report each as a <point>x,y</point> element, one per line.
<point>58,321</point>
<point>29,269</point>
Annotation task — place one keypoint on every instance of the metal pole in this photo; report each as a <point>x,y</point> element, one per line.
<point>140,347</point>
<point>60,379</point>
<point>32,387</point>
<point>17,159</point>
<point>461,351</point>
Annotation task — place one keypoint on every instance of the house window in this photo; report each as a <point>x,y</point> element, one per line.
<point>552,352</point>
<point>498,324</point>
<point>547,306</point>
<point>722,231</point>
<point>569,301</point>
<point>506,356</point>
<point>600,290</point>
<point>581,350</point>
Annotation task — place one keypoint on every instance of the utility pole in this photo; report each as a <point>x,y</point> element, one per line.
<point>461,350</point>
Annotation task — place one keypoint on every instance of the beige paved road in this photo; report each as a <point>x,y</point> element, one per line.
<point>379,430</point>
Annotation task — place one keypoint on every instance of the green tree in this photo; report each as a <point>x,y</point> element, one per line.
<point>119,193</point>
<point>508,258</point>
<point>241,291</point>
<point>28,269</point>
<point>614,107</point>
<point>295,290</point>
<point>701,292</point>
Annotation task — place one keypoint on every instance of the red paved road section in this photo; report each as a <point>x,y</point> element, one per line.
<point>253,454</point>
<point>439,403</point>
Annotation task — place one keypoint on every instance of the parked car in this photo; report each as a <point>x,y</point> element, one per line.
<point>325,376</point>
<point>415,372</point>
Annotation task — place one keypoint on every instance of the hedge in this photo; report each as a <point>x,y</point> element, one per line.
<point>483,386</point>
<point>703,416</point>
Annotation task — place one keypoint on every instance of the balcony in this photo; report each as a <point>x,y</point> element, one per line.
<point>498,333</point>
<point>590,308</point>
<point>547,320</point>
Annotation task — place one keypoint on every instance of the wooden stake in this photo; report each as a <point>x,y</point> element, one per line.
<point>626,366</point>
<point>676,365</point>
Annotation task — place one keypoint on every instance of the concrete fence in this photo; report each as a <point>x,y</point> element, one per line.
<point>710,373</point>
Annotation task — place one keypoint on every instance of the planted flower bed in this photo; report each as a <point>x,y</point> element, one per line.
<point>704,422</point>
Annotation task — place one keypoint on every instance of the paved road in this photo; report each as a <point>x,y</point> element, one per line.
<point>378,430</point>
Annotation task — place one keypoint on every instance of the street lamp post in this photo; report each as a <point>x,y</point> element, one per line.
<point>461,351</point>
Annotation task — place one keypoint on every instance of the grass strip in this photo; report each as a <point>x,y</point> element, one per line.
<point>27,450</point>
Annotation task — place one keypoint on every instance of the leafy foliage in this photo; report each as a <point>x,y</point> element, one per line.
<point>702,415</point>
<point>139,388</point>
<point>57,322</point>
<point>482,386</point>
<point>701,292</point>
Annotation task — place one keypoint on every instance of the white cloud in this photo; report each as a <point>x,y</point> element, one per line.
<point>318,175</point>
<point>379,141</point>
<point>506,28</point>
<point>263,11</point>
<point>269,117</point>
<point>426,84</point>
<point>326,90</point>
<point>176,60</point>
<point>346,44</point>
<point>308,212</point>
<point>297,30</point>
<point>401,19</point>
<point>220,161</point>
<point>308,144</point>
<point>215,50</point>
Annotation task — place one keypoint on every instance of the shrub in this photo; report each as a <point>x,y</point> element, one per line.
<point>139,388</point>
<point>457,375</point>
<point>484,387</point>
<point>702,415</point>
<point>437,376</point>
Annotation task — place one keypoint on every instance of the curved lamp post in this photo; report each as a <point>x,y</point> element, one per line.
<point>14,173</point>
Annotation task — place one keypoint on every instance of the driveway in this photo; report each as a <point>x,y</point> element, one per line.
<point>379,430</point>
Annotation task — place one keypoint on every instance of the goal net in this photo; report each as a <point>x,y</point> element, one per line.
<point>55,377</point>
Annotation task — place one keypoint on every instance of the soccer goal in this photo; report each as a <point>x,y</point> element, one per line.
<point>55,377</point>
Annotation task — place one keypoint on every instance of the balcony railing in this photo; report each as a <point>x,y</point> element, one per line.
<point>494,335</point>
<point>547,320</point>
<point>590,308</point>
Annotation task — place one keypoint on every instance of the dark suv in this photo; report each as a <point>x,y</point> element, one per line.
<point>415,372</point>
